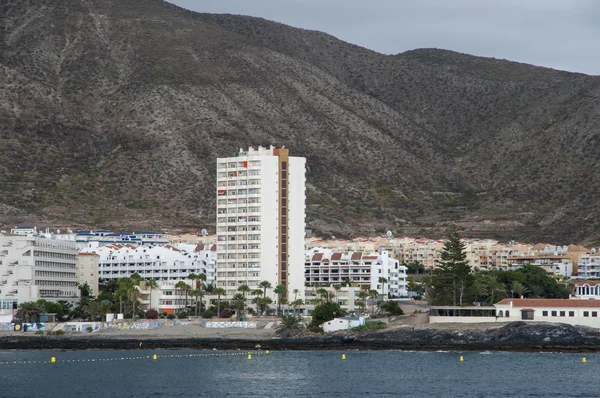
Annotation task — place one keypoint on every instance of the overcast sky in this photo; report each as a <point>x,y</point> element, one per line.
<point>560,34</point>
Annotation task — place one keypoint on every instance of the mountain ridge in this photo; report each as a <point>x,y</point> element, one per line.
<point>113,114</point>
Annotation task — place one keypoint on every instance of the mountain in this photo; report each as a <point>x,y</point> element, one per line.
<point>113,113</point>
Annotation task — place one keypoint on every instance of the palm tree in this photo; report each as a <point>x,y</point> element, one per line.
<point>363,300</point>
<point>280,291</point>
<point>256,300</point>
<point>288,325</point>
<point>209,288</point>
<point>265,285</point>
<point>219,292</point>
<point>518,288</point>
<point>183,287</point>
<point>296,291</point>
<point>239,303</point>
<point>30,310</point>
<point>383,281</point>
<point>296,304</point>
<point>244,289</point>
<point>151,285</point>
<point>329,296</point>
<point>494,287</point>
<point>264,303</point>
<point>197,293</point>
<point>373,295</point>
<point>323,293</point>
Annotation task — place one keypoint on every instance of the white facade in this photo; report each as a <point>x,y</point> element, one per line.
<point>326,267</point>
<point>589,266</point>
<point>572,312</point>
<point>587,290</point>
<point>34,267</point>
<point>260,220</point>
<point>154,262</point>
<point>344,323</point>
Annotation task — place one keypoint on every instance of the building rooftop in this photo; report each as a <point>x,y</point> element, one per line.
<point>561,303</point>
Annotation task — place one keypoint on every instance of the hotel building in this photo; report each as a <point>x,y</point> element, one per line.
<point>260,220</point>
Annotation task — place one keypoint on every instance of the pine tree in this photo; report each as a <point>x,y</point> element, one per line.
<point>452,278</point>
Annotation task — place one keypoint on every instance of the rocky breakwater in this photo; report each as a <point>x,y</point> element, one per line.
<point>516,336</point>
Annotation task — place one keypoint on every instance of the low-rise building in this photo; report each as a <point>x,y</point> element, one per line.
<point>324,267</point>
<point>343,323</point>
<point>589,266</point>
<point>554,264</point>
<point>587,290</point>
<point>159,262</point>
<point>572,312</point>
<point>88,271</point>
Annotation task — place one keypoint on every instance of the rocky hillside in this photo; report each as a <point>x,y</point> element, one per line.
<point>113,112</point>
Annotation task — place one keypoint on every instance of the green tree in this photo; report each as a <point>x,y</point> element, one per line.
<point>265,285</point>
<point>183,287</point>
<point>494,288</point>
<point>452,278</point>
<point>197,293</point>
<point>323,293</point>
<point>518,289</point>
<point>382,281</point>
<point>93,309</point>
<point>373,295</point>
<point>239,304</point>
<point>29,311</point>
<point>280,291</point>
<point>245,289</point>
<point>288,325</point>
<point>256,300</point>
<point>296,291</point>
<point>325,312</point>
<point>219,292</point>
<point>297,303</point>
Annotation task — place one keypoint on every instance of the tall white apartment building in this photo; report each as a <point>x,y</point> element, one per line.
<point>33,267</point>
<point>260,220</point>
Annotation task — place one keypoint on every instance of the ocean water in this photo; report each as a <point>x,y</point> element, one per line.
<point>298,374</point>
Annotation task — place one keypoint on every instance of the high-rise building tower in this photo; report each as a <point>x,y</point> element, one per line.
<point>260,220</point>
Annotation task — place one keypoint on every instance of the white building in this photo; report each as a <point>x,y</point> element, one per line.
<point>88,271</point>
<point>161,262</point>
<point>572,312</point>
<point>89,239</point>
<point>33,267</point>
<point>589,266</point>
<point>344,323</point>
<point>260,220</point>
<point>587,290</point>
<point>325,267</point>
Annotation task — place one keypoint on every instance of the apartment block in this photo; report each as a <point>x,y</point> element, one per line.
<point>88,271</point>
<point>34,267</point>
<point>260,219</point>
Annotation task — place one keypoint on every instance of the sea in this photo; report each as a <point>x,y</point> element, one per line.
<point>210,373</point>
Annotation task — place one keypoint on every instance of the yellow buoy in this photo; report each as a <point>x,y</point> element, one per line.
<point>267,352</point>
<point>462,359</point>
<point>343,357</point>
<point>53,360</point>
<point>583,360</point>
<point>154,357</point>
<point>249,356</point>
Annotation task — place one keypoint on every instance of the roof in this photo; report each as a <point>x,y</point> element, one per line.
<point>336,256</point>
<point>561,303</point>
<point>589,283</point>
<point>199,248</point>
<point>88,254</point>
<point>356,256</point>
<point>370,257</point>
<point>213,248</point>
<point>317,257</point>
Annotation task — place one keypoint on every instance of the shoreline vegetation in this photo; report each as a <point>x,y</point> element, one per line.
<point>516,336</point>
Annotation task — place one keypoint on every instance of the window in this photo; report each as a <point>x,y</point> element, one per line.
<point>553,313</point>
<point>527,314</point>
<point>562,313</point>
<point>586,313</point>
<point>571,313</point>
<point>594,314</point>
<point>544,313</point>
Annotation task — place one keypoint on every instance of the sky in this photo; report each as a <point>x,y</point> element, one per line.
<point>559,34</point>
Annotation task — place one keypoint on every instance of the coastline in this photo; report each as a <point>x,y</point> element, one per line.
<point>517,336</point>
